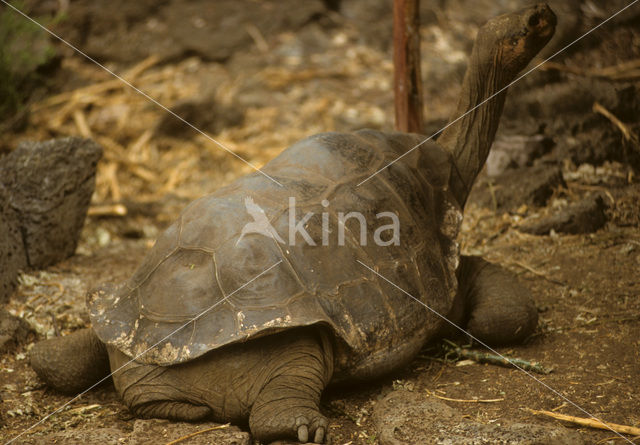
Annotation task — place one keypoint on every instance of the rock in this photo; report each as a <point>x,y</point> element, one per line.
<point>532,186</point>
<point>404,418</point>
<point>175,29</point>
<point>585,216</point>
<point>49,186</point>
<point>13,331</point>
<point>12,254</point>
<point>516,150</point>
<point>155,431</point>
<point>204,114</point>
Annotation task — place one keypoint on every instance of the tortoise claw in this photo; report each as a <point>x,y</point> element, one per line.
<point>303,433</point>
<point>319,436</point>
<point>317,428</point>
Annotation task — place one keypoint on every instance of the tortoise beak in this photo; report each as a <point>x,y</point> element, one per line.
<point>540,21</point>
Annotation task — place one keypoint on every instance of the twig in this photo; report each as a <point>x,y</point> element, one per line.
<point>538,273</point>
<point>438,375</point>
<point>107,210</point>
<point>612,438</point>
<point>176,175</point>
<point>32,300</point>
<point>141,141</point>
<point>623,319</point>
<point>111,177</point>
<point>595,188</point>
<point>83,409</point>
<point>628,134</point>
<point>554,66</point>
<point>189,436</point>
<point>61,115</point>
<point>483,357</point>
<point>93,90</point>
<point>591,423</point>
<point>50,300</point>
<point>141,67</point>
<point>60,293</point>
<point>448,399</point>
<point>257,37</point>
<point>81,123</point>
<point>624,71</point>
<point>117,153</point>
<point>492,191</point>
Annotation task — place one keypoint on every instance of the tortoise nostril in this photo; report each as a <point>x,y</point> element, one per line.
<point>534,19</point>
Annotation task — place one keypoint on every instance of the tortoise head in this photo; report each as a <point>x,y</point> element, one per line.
<point>507,43</point>
<point>504,46</point>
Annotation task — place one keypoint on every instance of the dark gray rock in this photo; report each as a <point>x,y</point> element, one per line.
<point>202,113</point>
<point>13,331</point>
<point>12,254</point>
<point>49,187</point>
<point>585,216</point>
<point>532,186</point>
<point>45,190</point>
<point>404,418</point>
<point>516,150</point>
<point>175,29</point>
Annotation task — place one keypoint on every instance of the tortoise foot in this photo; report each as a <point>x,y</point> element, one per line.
<point>287,406</point>
<point>72,363</point>
<point>501,310</point>
<point>300,423</point>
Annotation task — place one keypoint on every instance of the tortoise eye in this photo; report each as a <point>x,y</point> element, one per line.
<point>514,42</point>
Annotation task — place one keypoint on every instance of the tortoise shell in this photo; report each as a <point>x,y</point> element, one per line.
<point>203,285</point>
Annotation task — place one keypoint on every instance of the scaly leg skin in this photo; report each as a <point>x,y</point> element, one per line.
<point>71,364</point>
<point>288,404</point>
<point>275,381</point>
<point>499,309</point>
<point>152,391</point>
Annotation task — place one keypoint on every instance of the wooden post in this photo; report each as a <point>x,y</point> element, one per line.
<point>406,64</point>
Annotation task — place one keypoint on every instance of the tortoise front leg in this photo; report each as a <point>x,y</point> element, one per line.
<point>72,363</point>
<point>287,406</point>
<point>499,309</point>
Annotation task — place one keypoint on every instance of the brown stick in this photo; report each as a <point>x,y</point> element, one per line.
<point>538,273</point>
<point>628,70</point>
<point>592,423</point>
<point>449,399</point>
<point>406,62</point>
<point>624,129</point>
<point>107,210</point>
<point>189,436</point>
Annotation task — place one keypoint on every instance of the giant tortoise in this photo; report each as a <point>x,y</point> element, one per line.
<point>244,312</point>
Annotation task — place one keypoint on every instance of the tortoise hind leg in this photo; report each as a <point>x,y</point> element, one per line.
<point>72,363</point>
<point>500,310</point>
<point>152,391</point>
<point>287,406</point>
<point>276,381</point>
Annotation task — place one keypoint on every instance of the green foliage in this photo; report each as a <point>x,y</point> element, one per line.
<point>24,47</point>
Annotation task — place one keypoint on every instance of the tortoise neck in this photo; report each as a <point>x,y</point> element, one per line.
<point>469,138</point>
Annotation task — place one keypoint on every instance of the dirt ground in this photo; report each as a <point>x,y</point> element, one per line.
<point>321,67</point>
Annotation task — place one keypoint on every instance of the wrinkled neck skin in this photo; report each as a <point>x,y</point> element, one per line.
<point>469,139</point>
